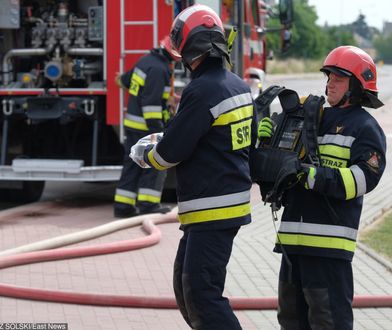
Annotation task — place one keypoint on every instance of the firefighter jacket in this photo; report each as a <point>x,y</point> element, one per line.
<point>209,142</point>
<point>323,219</point>
<point>148,84</point>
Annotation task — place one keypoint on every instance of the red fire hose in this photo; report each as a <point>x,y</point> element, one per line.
<point>153,237</point>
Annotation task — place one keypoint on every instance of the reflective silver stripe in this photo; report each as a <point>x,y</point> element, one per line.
<point>160,160</point>
<point>360,179</point>
<point>152,108</point>
<point>190,10</point>
<point>140,73</point>
<point>318,229</point>
<point>340,140</point>
<point>151,192</point>
<point>125,193</point>
<point>214,202</point>
<point>167,89</point>
<point>135,118</point>
<point>231,103</point>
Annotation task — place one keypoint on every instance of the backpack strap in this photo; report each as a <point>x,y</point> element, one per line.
<point>264,100</point>
<point>312,112</point>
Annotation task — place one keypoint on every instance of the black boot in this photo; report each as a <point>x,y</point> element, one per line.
<point>125,213</point>
<point>154,208</point>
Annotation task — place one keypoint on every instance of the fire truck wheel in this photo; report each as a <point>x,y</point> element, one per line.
<point>29,192</point>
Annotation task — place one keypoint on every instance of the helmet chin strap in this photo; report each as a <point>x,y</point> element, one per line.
<point>344,99</point>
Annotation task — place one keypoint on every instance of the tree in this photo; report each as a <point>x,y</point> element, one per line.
<point>311,41</point>
<point>308,39</point>
<point>360,27</point>
<point>383,46</point>
<point>338,36</point>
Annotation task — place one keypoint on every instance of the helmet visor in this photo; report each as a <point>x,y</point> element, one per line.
<point>336,70</point>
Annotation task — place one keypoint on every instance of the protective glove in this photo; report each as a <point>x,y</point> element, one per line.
<point>265,129</point>
<point>307,176</point>
<point>138,149</point>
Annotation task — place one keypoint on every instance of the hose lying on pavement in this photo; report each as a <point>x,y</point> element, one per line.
<point>153,237</point>
<point>87,234</point>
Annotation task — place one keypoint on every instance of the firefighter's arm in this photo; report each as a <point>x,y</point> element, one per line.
<point>123,80</point>
<point>144,144</point>
<point>367,166</point>
<point>151,99</point>
<point>190,124</point>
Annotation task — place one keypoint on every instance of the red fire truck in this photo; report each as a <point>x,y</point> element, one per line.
<point>61,110</point>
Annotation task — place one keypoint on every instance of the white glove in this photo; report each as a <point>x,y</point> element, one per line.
<point>138,149</point>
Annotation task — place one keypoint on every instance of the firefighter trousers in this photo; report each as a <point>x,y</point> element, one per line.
<point>137,186</point>
<point>199,279</point>
<point>319,296</point>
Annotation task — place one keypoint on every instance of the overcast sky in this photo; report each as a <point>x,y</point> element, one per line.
<point>336,12</point>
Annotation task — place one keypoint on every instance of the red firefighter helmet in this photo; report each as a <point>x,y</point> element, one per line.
<point>166,44</point>
<point>350,60</point>
<point>196,31</point>
<point>354,62</point>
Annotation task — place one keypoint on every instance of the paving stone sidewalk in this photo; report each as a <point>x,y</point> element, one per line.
<point>252,272</point>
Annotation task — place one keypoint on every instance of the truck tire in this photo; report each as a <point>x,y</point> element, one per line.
<point>30,192</point>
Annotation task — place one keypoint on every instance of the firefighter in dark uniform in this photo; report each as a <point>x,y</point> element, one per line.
<point>320,221</point>
<point>209,141</point>
<point>148,82</point>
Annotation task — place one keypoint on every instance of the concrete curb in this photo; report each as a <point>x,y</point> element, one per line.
<point>375,255</point>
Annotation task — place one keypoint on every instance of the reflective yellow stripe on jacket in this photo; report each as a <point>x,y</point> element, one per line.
<point>236,111</point>
<point>152,112</point>
<point>137,80</point>
<point>335,152</point>
<point>157,161</point>
<point>214,208</point>
<point>135,122</point>
<point>166,93</point>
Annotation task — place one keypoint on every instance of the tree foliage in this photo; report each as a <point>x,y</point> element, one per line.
<point>309,40</point>
<point>383,47</point>
<point>361,28</point>
<point>338,35</point>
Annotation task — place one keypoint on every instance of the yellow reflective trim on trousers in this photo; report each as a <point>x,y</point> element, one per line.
<point>134,124</point>
<point>215,214</point>
<point>153,162</point>
<point>233,116</point>
<point>148,198</point>
<point>335,151</point>
<point>124,200</point>
<point>165,95</point>
<point>349,182</point>
<point>317,241</point>
<point>152,115</point>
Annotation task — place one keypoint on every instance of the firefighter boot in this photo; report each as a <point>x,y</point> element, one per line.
<point>147,208</point>
<point>125,213</point>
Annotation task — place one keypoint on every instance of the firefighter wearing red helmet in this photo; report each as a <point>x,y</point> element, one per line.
<point>321,216</point>
<point>209,141</point>
<point>353,62</point>
<point>148,84</point>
